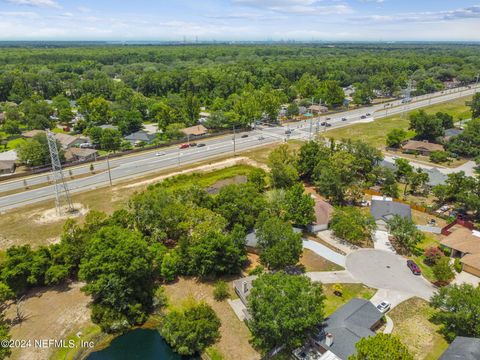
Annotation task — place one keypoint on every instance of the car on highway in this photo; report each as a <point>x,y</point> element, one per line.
<point>344,119</point>
<point>261,138</point>
<point>363,117</point>
<point>368,114</point>
<point>414,267</point>
<point>184,146</point>
<point>329,119</point>
<point>160,153</point>
<point>328,124</point>
<point>244,136</point>
<point>288,132</point>
<point>193,144</point>
<point>201,145</point>
<point>323,123</point>
<point>383,307</point>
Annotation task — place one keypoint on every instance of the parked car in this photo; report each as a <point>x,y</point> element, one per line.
<point>244,136</point>
<point>184,146</point>
<point>201,145</point>
<point>413,267</point>
<point>383,307</point>
<point>160,153</point>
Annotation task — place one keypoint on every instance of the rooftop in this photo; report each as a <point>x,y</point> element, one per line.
<point>350,323</point>
<point>385,209</point>
<point>196,130</point>
<point>463,240</point>
<point>462,348</point>
<point>414,145</point>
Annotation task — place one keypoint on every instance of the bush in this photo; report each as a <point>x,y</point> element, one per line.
<point>457,265</point>
<point>438,157</point>
<point>221,291</point>
<point>169,268</point>
<point>257,270</point>
<point>432,255</point>
<point>443,271</point>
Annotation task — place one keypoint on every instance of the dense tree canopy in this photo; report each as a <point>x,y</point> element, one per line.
<point>381,346</point>
<point>284,309</point>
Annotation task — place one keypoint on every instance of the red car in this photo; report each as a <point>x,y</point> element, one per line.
<point>184,146</point>
<point>413,267</point>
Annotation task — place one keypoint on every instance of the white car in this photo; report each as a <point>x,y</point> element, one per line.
<point>160,153</point>
<point>383,307</point>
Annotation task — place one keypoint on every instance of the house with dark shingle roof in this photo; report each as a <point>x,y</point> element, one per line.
<point>139,137</point>
<point>338,335</point>
<point>384,209</point>
<point>462,348</point>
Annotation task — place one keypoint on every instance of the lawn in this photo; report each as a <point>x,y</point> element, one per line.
<point>350,291</point>
<point>261,154</point>
<point>375,132</point>
<point>313,262</point>
<point>412,325</point>
<point>13,144</point>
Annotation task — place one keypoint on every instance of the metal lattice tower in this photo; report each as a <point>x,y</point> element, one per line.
<point>62,195</point>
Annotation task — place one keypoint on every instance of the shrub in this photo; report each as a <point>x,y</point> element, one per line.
<point>257,270</point>
<point>438,157</point>
<point>432,255</point>
<point>221,291</point>
<point>443,271</point>
<point>457,265</point>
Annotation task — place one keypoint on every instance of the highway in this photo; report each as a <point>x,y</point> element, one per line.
<point>140,164</point>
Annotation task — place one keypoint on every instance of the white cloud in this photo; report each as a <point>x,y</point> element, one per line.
<point>302,7</point>
<point>36,3</point>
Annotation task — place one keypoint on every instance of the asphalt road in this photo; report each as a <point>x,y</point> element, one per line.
<point>148,162</point>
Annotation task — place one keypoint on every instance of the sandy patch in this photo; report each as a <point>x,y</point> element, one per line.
<point>51,216</point>
<point>51,313</point>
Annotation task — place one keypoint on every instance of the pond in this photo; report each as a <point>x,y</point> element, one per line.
<point>139,344</point>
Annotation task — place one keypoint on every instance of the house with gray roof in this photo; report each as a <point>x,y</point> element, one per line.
<point>435,176</point>
<point>462,348</point>
<point>339,333</point>
<point>139,137</point>
<point>252,240</point>
<point>449,133</point>
<point>384,209</point>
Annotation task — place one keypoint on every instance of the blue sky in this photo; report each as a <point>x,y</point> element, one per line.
<point>373,20</point>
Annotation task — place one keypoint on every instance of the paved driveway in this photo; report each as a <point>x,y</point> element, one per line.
<point>385,270</point>
<point>381,241</point>
<point>324,252</point>
<point>332,277</point>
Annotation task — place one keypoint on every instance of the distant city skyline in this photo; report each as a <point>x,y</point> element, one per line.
<point>240,20</point>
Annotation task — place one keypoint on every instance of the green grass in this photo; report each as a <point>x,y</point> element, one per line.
<point>375,133</point>
<point>413,325</point>
<point>90,333</point>
<point>350,291</point>
<point>13,144</point>
<point>207,179</point>
<point>418,257</point>
<point>213,354</point>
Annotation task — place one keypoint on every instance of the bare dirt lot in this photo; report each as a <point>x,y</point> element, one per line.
<point>49,314</point>
<point>234,342</point>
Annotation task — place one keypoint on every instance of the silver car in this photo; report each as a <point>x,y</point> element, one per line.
<point>383,307</point>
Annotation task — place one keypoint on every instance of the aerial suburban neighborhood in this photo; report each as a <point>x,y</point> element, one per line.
<point>239,180</point>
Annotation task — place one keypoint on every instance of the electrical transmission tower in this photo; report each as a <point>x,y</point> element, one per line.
<point>62,195</point>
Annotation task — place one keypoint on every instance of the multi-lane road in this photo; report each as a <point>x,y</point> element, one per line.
<point>140,164</point>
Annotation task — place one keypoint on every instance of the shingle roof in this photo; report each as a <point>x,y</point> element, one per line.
<point>462,348</point>
<point>462,239</point>
<point>385,210</point>
<point>422,145</point>
<point>195,130</point>
<point>140,136</point>
<point>348,325</point>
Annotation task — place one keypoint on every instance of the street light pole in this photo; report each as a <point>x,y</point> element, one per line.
<point>109,173</point>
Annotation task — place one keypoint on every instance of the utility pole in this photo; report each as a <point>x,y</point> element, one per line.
<point>109,173</point>
<point>234,143</point>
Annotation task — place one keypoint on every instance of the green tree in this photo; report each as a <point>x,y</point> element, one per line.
<point>221,292</point>
<point>395,137</point>
<point>439,157</point>
<point>279,245</point>
<point>299,207</point>
<point>381,346</point>
<point>110,140</point>
<point>5,351</point>
<point>351,224</point>
<point>284,310</point>
<point>458,307</point>
<point>475,106</point>
<point>11,127</point>
<point>447,120</point>
<point>118,270</point>
<point>443,270</point>
<point>427,127</point>
<point>257,178</point>
<point>191,330</point>
<point>283,172</point>
<point>35,152</point>
<point>405,232</point>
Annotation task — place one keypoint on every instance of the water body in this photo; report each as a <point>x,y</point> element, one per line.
<point>141,344</point>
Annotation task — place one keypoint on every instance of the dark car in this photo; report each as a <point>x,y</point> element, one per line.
<point>244,136</point>
<point>193,144</point>
<point>201,145</point>
<point>323,123</point>
<point>329,118</point>
<point>344,119</point>
<point>328,124</point>
<point>363,117</point>
<point>368,114</point>
<point>413,267</point>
